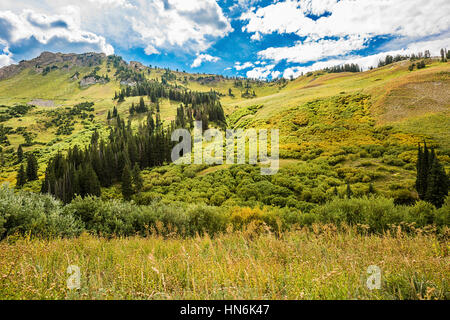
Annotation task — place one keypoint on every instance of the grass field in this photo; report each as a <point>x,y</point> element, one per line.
<point>316,264</point>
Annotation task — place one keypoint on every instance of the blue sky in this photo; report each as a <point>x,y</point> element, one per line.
<point>253,38</point>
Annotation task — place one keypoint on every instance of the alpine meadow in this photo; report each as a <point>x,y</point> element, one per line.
<point>88,180</point>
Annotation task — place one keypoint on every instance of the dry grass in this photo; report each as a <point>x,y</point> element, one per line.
<point>317,264</point>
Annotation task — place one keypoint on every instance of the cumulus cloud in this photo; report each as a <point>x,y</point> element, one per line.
<point>149,50</point>
<point>333,30</point>
<point>310,50</point>
<point>238,66</point>
<point>191,24</point>
<point>187,25</point>
<point>256,36</point>
<point>5,55</point>
<point>263,72</point>
<point>372,60</point>
<point>33,32</point>
<point>202,58</point>
<point>365,18</point>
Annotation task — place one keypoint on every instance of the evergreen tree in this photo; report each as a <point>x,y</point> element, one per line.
<point>421,180</point>
<point>349,191</point>
<point>19,154</point>
<point>21,177</point>
<point>32,168</point>
<point>443,56</point>
<point>432,182</point>
<point>127,188</point>
<point>137,178</point>
<point>437,184</point>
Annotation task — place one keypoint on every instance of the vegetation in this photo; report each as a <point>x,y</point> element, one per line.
<point>24,213</point>
<point>352,189</point>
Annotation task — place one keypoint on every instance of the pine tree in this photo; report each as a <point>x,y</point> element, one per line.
<point>432,182</point>
<point>19,154</point>
<point>32,168</point>
<point>21,177</point>
<point>443,56</point>
<point>437,184</point>
<point>127,188</point>
<point>349,191</point>
<point>421,180</point>
<point>137,178</point>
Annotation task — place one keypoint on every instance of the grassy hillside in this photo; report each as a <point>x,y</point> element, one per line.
<point>355,122</point>
<point>344,197</point>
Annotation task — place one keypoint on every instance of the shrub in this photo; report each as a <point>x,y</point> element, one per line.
<point>34,214</point>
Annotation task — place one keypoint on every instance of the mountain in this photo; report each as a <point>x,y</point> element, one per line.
<point>363,126</point>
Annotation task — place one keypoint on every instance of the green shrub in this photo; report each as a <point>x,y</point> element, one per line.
<point>34,214</point>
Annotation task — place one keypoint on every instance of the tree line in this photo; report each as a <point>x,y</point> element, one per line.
<point>344,68</point>
<point>101,164</point>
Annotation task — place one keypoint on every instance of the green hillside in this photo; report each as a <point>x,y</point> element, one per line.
<point>363,128</point>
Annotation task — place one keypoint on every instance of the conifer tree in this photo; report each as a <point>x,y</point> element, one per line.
<point>437,184</point>
<point>137,178</point>
<point>32,168</point>
<point>21,177</point>
<point>127,188</point>
<point>432,182</point>
<point>19,154</point>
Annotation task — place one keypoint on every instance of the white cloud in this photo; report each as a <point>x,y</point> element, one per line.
<point>238,66</point>
<point>186,25</point>
<point>5,56</point>
<point>36,32</point>
<point>372,61</point>
<point>365,18</point>
<point>351,24</point>
<point>202,58</point>
<point>256,36</point>
<point>149,50</point>
<point>311,50</point>
<point>261,72</point>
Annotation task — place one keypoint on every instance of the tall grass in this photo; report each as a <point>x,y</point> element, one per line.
<point>317,263</point>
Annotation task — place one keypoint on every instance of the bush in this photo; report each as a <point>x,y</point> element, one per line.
<point>377,213</point>
<point>37,215</point>
<point>42,216</point>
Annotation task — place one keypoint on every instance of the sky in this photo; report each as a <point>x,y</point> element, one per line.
<point>250,38</point>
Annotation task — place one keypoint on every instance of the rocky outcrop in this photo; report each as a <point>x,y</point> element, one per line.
<point>128,82</point>
<point>137,66</point>
<point>47,59</point>
<point>89,81</point>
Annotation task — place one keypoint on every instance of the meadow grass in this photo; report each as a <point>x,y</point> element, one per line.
<point>316,263</point>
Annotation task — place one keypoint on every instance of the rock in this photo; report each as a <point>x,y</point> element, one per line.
<point>137,66</point>
<point>89,81</point>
